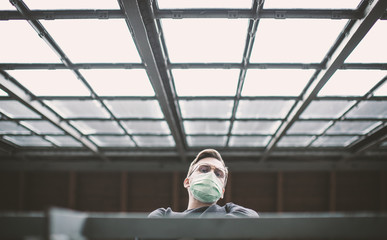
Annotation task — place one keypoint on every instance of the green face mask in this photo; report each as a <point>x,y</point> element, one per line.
<point>206,187</point>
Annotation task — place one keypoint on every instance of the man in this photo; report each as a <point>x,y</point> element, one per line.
<point>205,182</point>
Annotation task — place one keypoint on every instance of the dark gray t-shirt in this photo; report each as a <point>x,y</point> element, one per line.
<point>228,210</point>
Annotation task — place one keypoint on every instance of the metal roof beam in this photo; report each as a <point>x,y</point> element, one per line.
<point>266,13</point>
<point>147,42</point>
<point>360,28</point>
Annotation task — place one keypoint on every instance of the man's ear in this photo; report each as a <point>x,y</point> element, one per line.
<point>186,183</point>
<point>223,189</point>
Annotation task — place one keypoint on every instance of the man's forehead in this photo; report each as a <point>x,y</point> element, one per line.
<point>212,161</point>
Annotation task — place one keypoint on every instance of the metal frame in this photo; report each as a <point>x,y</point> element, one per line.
<point>143,20</point>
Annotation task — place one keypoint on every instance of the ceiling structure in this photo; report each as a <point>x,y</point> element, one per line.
<point>135,82</point>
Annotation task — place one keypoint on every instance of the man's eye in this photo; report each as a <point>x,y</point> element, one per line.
<point>218,174</point>
<point>204,170</point>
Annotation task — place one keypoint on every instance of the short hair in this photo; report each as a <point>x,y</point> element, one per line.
<point>212,153</point>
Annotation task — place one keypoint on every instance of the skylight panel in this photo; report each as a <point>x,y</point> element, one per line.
<point>205,40</point>
<point>64,141</point>
<point>206,82</point>
<point>206,127</point>
<point>6,5</point>
<point>119,82</point>
<point>353,127</point>
<point>369,109</point>
<point>266,82</point>
<point>263,108</point>
<point>372,49</point>
<point>295,40</point>
<point>351,82</point>
<point>28,141</point>
<point>154,141</point>
<point>248,141</point>
<point>15,49</point>
<point>15,109</point>
<point>2,93</point>
<point>96,127</point>
<point>308,127</point>
<point>334,141</point>
<point>179,4</point>
<point>50,82</point>
<point>135,108</point>
<point>255,127</point>
<point>9,127</point>
<point>42,127</point>
<point>94,40</point>
<point>144,127</point>
<point>206,108</point>
<point>206,141</point>
<point>295,141</point>
<point>326,109</point>
<point>382,90</point>
<point>112,141</point>
<point>72,4</point>
<point>78,109</point>
<point>331,4</point>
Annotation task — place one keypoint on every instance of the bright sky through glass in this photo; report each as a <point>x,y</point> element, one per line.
<point>351,82</point>
<point>382,90</point>
<point>205,40</point>
<point>373,47</point>
<point>295,40</point>
<point>72,4</point>
<point>15,48</point>
<point>51,82</point>
<point>206,82</point>
<point>174,4</point>
<point>311,4</point>
<point>275,82</point>
<point>2,93</point>
<point>94,40</point>
<point>119,82</point>
<point>6,5</point>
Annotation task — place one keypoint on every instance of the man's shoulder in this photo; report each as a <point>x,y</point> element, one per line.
<point>160,212</point>
<point>237,210</point>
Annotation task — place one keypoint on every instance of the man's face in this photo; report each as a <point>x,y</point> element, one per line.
<point>217,168</point>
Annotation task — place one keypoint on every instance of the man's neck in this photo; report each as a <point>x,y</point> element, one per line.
<point>193,203</point>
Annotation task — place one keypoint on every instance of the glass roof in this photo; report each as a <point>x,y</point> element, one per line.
<point>205,40</point>
<point>15,109</point>
<point>8,127</point>
<point>88,45</point>
<point>175,4</point>
<point>73,4</point>
<point>372,49</point>
<point>42,127</point>
<point>204,141</point>
<point>352,82</point>
<point>295,40</point>
<point>255,127</point>
<point>206,82</point>
<point>78,109</point>
<point>50,82</point>
<point>14,49</point>
<point>265,82</point>
<point>122,82</point>
<point>205,74</point>
<point>311,4</point>
<point>206,108</point>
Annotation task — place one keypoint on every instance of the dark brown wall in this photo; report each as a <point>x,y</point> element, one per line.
<point>143,192</point>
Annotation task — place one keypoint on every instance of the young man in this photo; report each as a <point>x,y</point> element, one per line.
<point>205,182</point>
